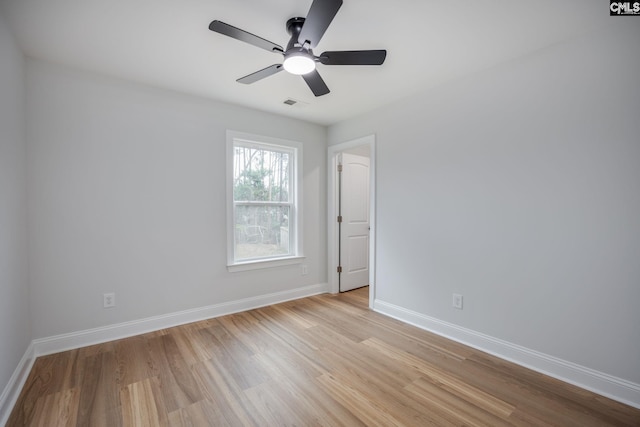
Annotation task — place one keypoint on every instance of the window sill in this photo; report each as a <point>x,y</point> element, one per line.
<point>260,264</point>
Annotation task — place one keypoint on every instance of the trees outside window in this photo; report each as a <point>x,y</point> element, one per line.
<point>264,206</point>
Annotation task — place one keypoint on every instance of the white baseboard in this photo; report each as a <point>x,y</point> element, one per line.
<point>11,392</point>
<point>612,387</point>
<point>58,343</point>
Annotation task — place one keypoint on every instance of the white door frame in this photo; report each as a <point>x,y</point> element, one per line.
<point>332,204</point>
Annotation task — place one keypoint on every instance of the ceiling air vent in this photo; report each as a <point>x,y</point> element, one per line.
<point>291,102</point>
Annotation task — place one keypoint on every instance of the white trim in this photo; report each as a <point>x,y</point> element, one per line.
<point>12,390</point>
<point>607,385</point>
<point>332,202</point>
<point>58,343</point>
<point>269,263</point>
<point>296,219</point>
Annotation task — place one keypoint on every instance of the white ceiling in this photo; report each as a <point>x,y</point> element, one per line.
<point>167,43</point>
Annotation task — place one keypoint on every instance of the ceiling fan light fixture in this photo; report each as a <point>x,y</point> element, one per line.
<point>299,63</point>
<point>298,56</point>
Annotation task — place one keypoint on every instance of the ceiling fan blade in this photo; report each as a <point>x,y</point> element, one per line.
<point>259,75</point>
<point>317,21</point>
<point>316,84</point>
<point>237,33</point>
<point>353,57</point>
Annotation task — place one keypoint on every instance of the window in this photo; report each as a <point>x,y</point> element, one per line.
<point>263,198</point>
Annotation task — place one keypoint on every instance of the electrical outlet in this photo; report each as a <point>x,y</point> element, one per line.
<point>305,269</point>
<point>457,301</point>
<point>109,300</point>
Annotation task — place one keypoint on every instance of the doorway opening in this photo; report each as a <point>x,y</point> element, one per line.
<point>351,216</point>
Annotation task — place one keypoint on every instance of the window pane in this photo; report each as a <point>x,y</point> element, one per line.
<point>260,174</point>
<point>261,231</point>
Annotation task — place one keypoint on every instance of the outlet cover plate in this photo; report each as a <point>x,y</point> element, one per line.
<point>457,301</point>
<point>109,300</point>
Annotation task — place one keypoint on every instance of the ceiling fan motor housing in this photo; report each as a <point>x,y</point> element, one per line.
<point>298,58</point>
<point>294,26</point>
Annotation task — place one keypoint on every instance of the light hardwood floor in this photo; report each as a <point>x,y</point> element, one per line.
<point>325,360</point>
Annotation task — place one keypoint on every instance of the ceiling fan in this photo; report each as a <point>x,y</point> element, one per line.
<point>298,57</point>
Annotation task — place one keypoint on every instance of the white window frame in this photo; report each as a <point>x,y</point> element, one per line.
<point>295,215</point>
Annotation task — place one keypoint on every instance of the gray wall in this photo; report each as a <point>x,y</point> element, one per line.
<point>520,188</point>
<point>15,330</point>
<point>127,195</point>
<point>517,188</point>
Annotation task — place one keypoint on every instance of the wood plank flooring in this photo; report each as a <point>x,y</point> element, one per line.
<point>320,361</point>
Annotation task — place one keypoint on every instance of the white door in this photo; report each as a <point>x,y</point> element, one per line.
<point>354,228</point>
